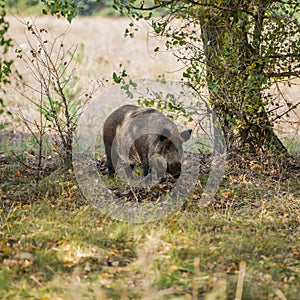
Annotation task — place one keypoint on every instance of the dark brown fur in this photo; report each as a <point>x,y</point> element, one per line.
<point>143,136</point>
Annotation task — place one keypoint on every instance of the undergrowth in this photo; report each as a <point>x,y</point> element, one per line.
<point>55,245</point>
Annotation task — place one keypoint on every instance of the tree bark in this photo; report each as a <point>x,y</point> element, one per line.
<point>235,80</point>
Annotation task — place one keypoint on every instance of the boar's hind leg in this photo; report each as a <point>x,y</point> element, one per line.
<point>128,170</point>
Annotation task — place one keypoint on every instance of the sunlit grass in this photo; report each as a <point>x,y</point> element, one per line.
<point>55,245</point>
<point>49,250</point>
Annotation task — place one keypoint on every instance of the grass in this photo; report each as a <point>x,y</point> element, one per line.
<point>54,245</point>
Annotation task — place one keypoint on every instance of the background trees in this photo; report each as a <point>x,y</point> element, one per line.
<point>245,47</point>
<point>237,49</point>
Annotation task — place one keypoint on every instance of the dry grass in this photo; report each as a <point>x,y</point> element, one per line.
<point>54,245</point>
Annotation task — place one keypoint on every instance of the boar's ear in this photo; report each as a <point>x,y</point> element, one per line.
<point>165,134</point>
<point>185,135</point>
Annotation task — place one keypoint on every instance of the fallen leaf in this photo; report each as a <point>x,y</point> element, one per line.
<point>17,174</point>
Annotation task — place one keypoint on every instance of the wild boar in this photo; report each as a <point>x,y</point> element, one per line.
<point>143,136</point>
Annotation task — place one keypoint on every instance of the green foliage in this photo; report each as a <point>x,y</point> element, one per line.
<point>5,64</point>
<point>126,86</point>
<point>37,7</point>
<point>119,78</point>
<point>68,9</point>
<point>169,104</point>
<point>239,49</point>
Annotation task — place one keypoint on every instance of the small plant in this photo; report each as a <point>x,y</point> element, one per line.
<point>169,104</point>
<point>56,95</point>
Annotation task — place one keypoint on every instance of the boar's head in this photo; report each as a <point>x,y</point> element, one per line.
<point>168,152</point>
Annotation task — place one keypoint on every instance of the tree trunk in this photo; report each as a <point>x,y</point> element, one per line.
<point>235,80</point>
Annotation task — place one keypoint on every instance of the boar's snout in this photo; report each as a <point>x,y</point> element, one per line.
<point>174,169</point>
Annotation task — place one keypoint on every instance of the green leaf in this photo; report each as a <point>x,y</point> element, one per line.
<point>116,78</point>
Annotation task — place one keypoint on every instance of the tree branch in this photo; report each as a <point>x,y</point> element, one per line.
<point>145,8</point>
<point>286,112</point>
<point>165,3</point>
<point>283,74</point>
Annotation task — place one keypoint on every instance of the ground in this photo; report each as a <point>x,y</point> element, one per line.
<point>55,245</point>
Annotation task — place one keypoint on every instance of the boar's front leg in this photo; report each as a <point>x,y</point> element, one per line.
<point>145,165</point>
<point>112,159</point>
<point>142,150</point>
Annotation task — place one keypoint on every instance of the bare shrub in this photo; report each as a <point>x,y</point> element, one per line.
<point>53,89</point>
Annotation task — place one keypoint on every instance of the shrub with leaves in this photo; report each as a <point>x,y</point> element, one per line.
<point>57,95</point>
<point>238,50</point>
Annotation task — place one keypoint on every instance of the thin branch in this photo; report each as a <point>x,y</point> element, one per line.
<point>283,74</point>
<point>26,123</point>
<point>205,5</point>
<point>287,111</point>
